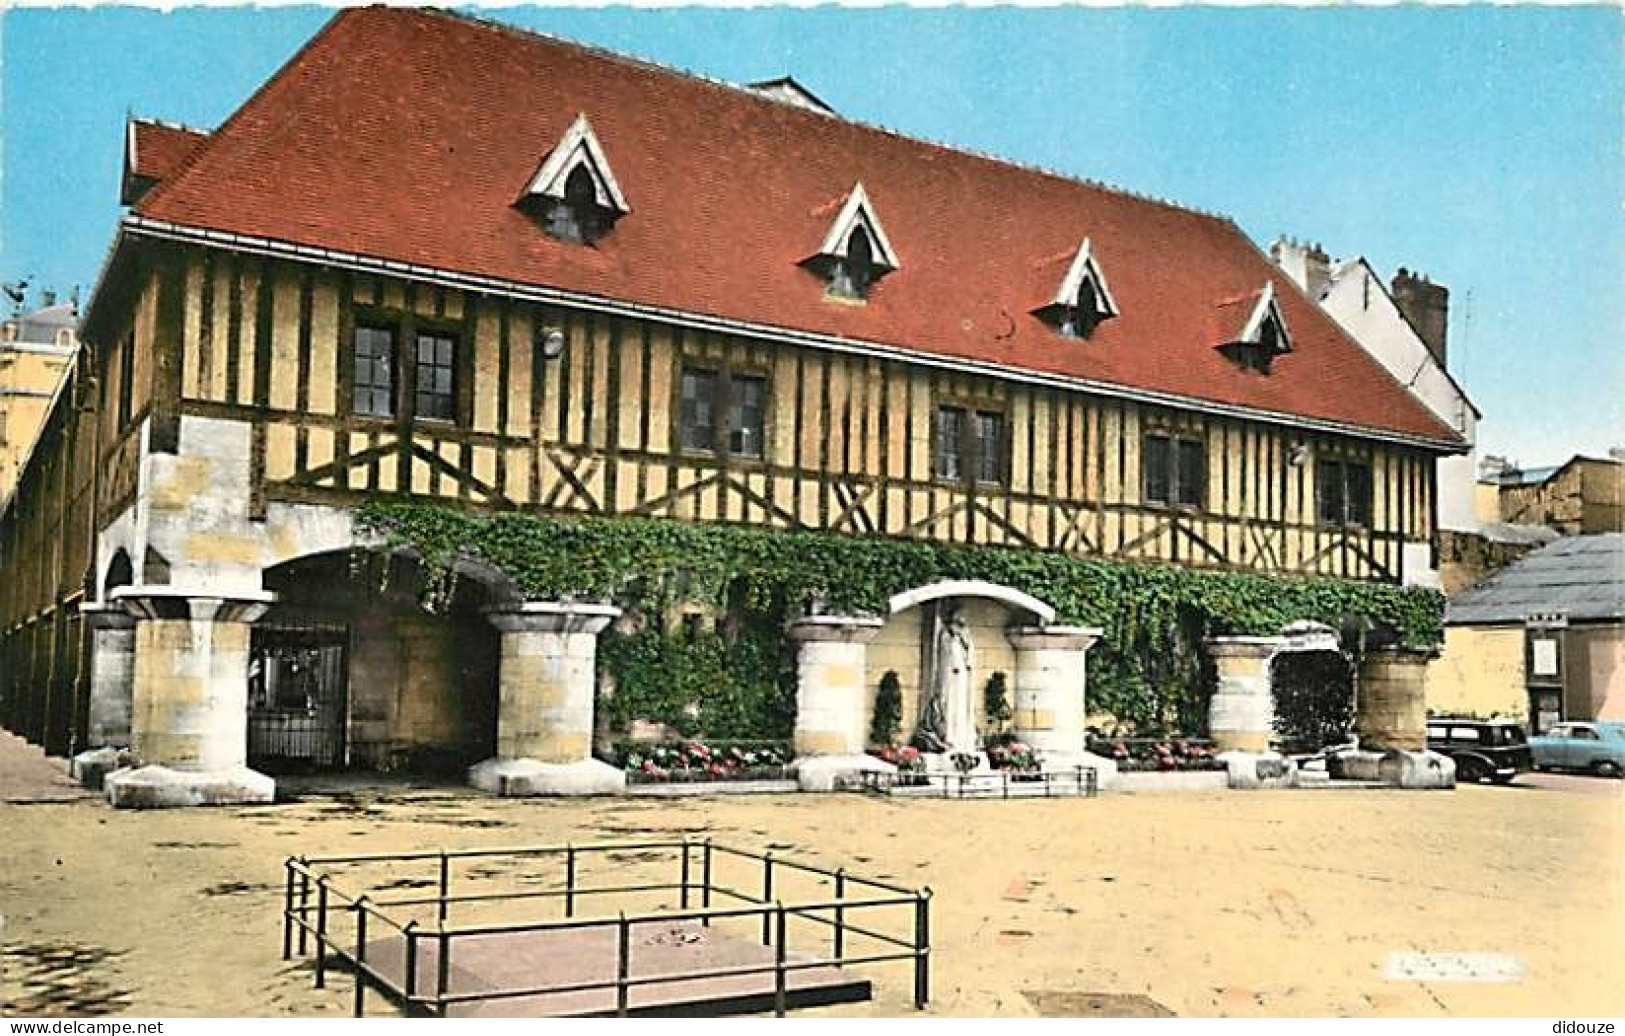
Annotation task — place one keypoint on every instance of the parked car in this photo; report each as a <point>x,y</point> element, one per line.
<point>1597,747</point>
<point>1493,749</point>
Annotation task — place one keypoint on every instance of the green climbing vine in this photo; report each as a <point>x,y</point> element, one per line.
<point>1147,671</point>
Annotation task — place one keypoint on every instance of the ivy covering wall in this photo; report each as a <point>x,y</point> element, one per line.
<point>734,677</point>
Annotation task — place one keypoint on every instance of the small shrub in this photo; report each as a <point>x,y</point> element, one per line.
<point>888,717</point>
<point>996,701</point>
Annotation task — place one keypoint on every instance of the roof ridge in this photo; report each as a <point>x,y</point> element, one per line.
<point>151,120</point>
<point>755,95</point>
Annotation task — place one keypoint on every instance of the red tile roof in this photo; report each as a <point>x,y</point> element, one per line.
<point>407,134</point>
<point>154,150</point>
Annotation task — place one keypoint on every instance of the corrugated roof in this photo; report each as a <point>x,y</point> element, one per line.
<point>1582,577</point>
<point>1513,532</point>
<point>730,191</point>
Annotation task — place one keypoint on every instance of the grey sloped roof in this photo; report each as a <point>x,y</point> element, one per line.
<point>1508,532</point>
<point>1582,577</point>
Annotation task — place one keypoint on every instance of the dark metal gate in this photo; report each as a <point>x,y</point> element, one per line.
<point>297,691</point>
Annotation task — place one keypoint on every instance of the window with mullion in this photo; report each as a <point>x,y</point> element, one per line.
<point>1174,471</point>
<point>949,445</point>
<point>747,405</point>
<point>697,410</point>
<point>1190,485</point>
<point>1156,458</point>
<point>1343,492</point>
<point>723,412</point>
<point>374,353</point>
<point>1357,481</point>
<point>435,377</point>
<point>989,447</point>
<point>968,445</point>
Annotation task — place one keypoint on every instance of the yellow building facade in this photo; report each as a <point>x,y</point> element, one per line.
<point>36,351</point>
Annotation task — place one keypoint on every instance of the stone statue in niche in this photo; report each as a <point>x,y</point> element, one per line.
<point>948,720</point>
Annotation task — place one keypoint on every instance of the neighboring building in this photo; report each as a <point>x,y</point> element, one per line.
<point>1467,559</point>
<point>36,350</point>
<point>1543,640</point>
<point>589,285</point>
<point>1405,327</point>
<point>1584,495</point>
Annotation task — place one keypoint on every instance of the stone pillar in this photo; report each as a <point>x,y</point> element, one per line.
<point>1241,716</point>
<point>1391,710</point>
<point>189,714</point>
<point>832,689</point>
<point>547,684</point>
<point>111,630</point>
<point>1049,693</point>
<point>1050,697</point>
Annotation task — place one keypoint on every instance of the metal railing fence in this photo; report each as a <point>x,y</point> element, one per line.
<point>316,907</point>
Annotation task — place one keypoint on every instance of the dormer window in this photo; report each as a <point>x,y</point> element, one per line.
<point>855,253</point>
<point>1084,313</point>
<point>574,217</point>
<point>1263,337</point>
<point>1083,300</point>
<point>850,278</point>
<point>574,192</point>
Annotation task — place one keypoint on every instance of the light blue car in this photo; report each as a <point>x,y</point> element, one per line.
<point>1597,747</point>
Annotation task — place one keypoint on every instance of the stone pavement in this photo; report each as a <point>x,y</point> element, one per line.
<point>27,774</point>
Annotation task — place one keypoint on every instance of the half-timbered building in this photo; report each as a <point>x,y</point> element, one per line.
<point>440,258</point>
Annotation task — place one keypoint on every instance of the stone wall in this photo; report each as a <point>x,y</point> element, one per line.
<point>421,690</point>
<point>1467,559</point>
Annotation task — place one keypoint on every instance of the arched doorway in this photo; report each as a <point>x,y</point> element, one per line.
<point>362,664</point>
<point>120,572</point>
<point>1312,690</point>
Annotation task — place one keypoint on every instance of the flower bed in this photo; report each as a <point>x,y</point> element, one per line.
<point>697,761</point>
<point>1018,757</point>
<point>910,765</point>
<point>1160,755</point>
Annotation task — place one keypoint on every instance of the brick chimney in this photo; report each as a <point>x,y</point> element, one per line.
<point>1427,306</point>
<point>1308,264</point>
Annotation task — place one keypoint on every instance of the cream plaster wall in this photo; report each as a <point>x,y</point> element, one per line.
<point>1479,673</point>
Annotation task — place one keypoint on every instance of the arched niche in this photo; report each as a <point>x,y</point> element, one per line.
<point>905,644</point>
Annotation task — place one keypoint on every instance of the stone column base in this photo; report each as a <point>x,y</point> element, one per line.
<point>1421,770</point>
<point>829,772</point>
<point>1067,762</point>
<point>522,777</point>
<point>1418,770</point>
<point>1253,770</point>
<point>91,768</point>
<point>159,787</point>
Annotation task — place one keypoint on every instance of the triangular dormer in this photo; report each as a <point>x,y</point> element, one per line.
<point>1264,336</point>
<point>575,191</point>
<point>1083,300</point>
<point>856,252</point>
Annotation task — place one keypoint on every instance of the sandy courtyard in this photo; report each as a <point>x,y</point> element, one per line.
<point>1209,904</point>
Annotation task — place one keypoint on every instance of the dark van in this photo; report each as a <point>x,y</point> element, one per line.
<point>1493,749</point>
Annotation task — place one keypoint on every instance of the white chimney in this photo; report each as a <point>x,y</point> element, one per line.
<point>1307,264</point>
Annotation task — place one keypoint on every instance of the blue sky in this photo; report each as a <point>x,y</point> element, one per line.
<point>1479,144</point>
